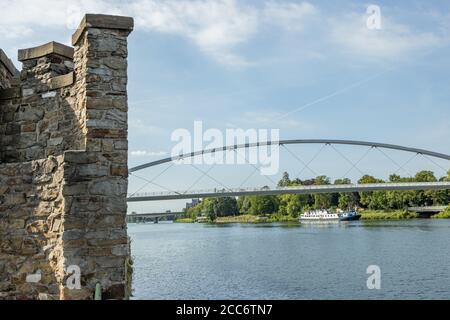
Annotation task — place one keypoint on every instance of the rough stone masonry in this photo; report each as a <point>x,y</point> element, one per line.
<point>63,166</point>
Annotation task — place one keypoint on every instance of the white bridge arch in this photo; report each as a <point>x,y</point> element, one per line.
<point>225,192</point>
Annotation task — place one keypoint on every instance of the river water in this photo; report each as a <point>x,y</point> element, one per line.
<point>282,261</point>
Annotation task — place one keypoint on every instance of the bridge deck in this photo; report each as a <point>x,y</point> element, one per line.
<point>155,215</point>
<point>154,196</point>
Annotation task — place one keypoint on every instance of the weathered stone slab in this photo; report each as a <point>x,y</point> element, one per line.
<point>62,81</point>
<point>45,49</point>
<point>103,22</point>
<point>8,63</point>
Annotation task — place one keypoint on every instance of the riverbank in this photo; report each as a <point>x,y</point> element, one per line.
<point>387,215</point>
<point>365,215</point>
<point>245,218</point>
<point>398,215</point>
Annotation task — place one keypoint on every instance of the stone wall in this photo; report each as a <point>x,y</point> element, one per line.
<point>40,120</point>
<point>31,209</point>
<point>7,71</point>
<point>63,165</point>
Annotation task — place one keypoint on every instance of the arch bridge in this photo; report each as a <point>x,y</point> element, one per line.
<point>224,191</point>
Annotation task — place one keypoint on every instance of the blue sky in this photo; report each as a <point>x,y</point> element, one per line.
<point>245,64</point>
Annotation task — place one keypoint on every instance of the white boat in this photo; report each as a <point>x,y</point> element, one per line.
<point>319,215</point>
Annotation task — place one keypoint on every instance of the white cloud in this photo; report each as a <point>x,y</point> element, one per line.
<point>393,40</point>
<point>288,15</point>
<point>146,153</point>
<point>217,27</point>
<point>220,27</point>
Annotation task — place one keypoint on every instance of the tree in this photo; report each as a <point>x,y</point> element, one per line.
<point>285,181</point>
<point>395,178</point>
<point>348,200</point>
<point>225,206</point>
<point>323,200</point>
<point>400,199</point>
<point>207,206</point>
<point>428,197</point>
<point>447,178</point>
<point>212,216</point>
<point>371,199</point>
<point>343,200</point>
<point>241,202</point>
<point>425,176</point>
<point>292,204</point>
<point>263,205</point>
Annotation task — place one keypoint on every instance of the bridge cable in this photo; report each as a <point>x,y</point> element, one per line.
<point>357,162</point>
<point>212,178</point>
<point>435,163</point>
<point>151,182</point>
<point>198,179</point>
<point>300,160</point>
<point>394,162</point>
<point>347,159</point>
<point>245,159</point>
<point>404,164</point>
<point>153,179</point>
<point>248,177</point>
<point>312,159</point>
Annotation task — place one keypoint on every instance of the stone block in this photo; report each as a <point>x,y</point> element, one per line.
<point>109,188</point>
<point>103,22</point>
<point>14,198</point>
<point>62,81</point>
<point>44,50</point>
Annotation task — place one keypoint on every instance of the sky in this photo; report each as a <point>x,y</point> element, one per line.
<point>312,69</point>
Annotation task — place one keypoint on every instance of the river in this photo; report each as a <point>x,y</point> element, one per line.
<point>291,261</point>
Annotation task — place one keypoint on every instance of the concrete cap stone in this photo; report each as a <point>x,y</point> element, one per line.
<point>45,49</point>
<point>8,63</point>
<point>102,21</point>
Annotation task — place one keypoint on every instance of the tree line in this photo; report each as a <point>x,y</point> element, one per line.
<point>295,204</point>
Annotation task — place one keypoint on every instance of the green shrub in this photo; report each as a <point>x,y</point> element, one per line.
<point>443,215</point>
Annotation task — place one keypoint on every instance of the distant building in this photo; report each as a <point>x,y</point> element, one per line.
<point>192,204</point>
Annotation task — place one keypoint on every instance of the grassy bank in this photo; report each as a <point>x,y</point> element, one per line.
<point>365,215</point>
<point>184,220</point>
<point>387,215</point>
<point>247,218</point>
<point>443,215</point>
